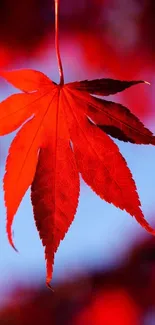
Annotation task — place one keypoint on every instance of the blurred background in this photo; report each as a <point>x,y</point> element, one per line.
<point>104,270</point>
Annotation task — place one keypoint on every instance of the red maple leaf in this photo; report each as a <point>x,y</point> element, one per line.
<point>64,134</point>
<point>65,131</point>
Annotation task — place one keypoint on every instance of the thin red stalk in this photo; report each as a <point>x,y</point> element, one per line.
<point>57,42</point>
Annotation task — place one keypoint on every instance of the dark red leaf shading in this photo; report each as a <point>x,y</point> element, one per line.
<point>115,119</point>
<point>116,133</point>
<point>104,86</point>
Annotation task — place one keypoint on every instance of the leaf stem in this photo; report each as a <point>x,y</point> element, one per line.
<point>57,42</point>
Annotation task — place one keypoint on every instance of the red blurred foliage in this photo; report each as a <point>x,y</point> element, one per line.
<point>110,307</point>
<point>123,296</point>
<point>23,24</point>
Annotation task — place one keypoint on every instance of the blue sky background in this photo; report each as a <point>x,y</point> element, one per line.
<point>100,235</point>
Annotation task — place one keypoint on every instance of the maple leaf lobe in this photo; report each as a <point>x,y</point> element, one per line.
<point>27,80</point>
<point>104,86</point>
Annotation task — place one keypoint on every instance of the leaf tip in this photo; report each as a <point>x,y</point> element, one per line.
<point>143,222</point>
<point>148,83</point>
<point>49,285</point>
<point>11,240</point>
<point>12,244</point>
<point>14,247</point>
